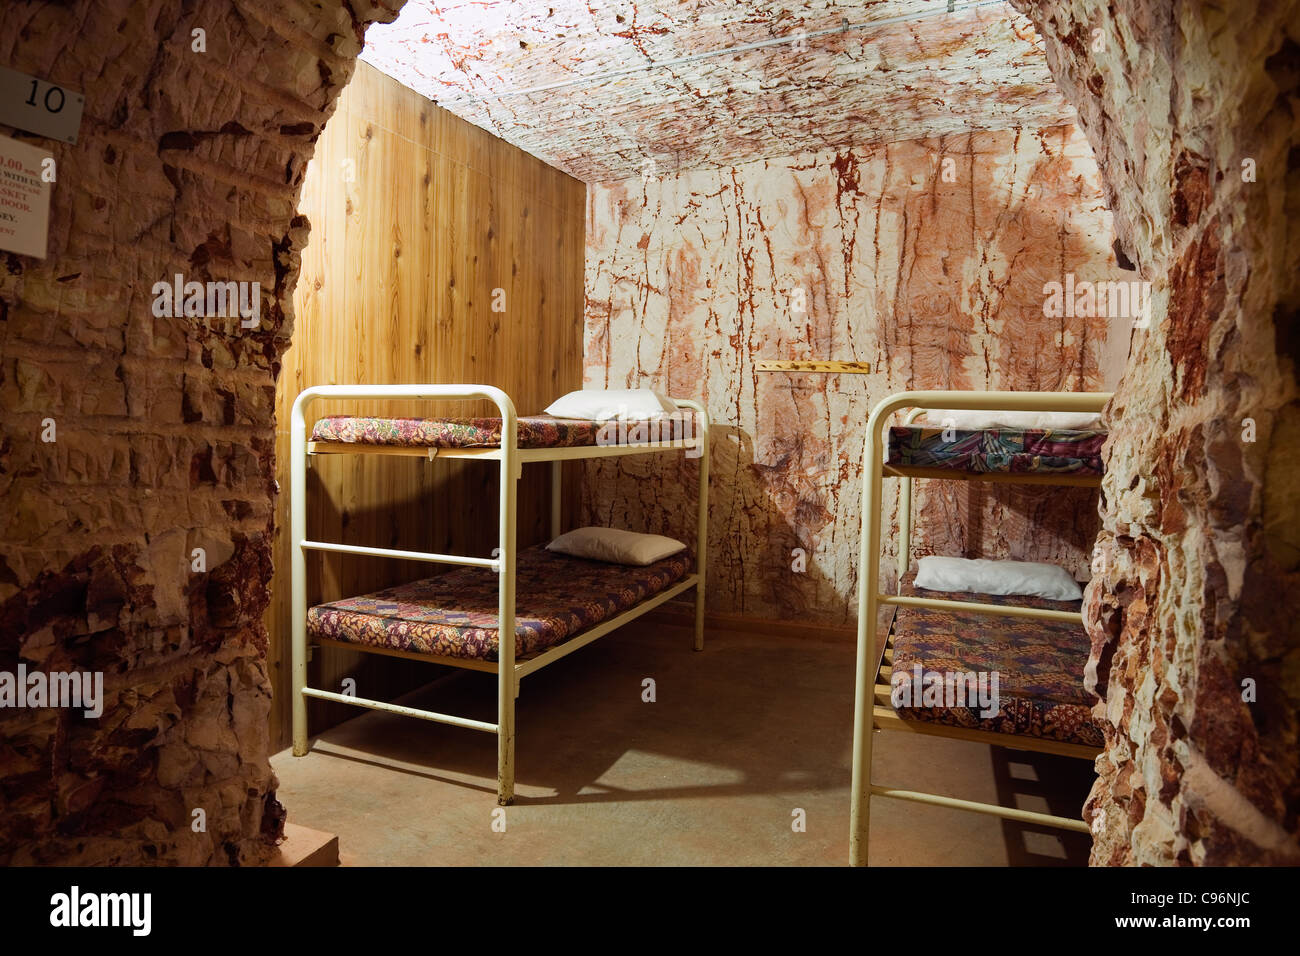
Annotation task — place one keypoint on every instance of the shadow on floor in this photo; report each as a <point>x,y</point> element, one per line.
<point>739,710</point>
<point>740,740</point>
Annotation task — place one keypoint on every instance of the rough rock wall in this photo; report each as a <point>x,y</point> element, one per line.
<point>1192,109</point>
<point>927,260</point>
<point>190,162</point>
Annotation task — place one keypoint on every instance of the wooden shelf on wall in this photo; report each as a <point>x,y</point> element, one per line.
<point>821,368</point>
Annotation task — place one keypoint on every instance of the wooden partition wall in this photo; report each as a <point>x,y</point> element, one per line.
<point>438,253</point>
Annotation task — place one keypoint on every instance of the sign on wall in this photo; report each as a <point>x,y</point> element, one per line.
<point>24,197</point>
<point>32,104</point>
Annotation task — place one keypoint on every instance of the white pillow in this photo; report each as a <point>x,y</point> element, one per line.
<point>997,577</point>
<point>975,419</point>
<point>616,546</point>
<point>613,404</point>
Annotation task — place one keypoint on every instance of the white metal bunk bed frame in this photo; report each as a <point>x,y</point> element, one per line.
<point>509,671</point>
<point>870,597</point>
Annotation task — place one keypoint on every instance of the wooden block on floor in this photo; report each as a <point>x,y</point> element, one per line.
<point>304,846</point>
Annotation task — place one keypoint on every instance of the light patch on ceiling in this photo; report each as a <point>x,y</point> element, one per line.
<point>611,90</point>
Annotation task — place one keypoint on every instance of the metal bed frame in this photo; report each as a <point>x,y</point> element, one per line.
<point>869,710</point>
<point>511,458</point>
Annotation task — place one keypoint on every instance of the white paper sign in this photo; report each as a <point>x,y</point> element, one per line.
<point>24,198</point>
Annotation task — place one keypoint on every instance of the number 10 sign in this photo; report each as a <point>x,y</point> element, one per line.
<point>31,104</point>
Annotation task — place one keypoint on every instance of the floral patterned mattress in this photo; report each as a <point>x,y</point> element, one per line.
<point>984,450</point>
<point>1039,664</point>
<point>534,431</point>
<point>455,614</point>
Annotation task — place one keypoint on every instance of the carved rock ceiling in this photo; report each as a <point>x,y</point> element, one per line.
<point>609,89</point>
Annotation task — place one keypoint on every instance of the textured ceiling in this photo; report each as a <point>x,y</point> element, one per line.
<point>536,74</point>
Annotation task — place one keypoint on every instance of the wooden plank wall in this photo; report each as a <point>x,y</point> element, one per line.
<point>417,217</point>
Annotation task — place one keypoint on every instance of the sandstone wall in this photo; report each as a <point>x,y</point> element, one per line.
<point>1192,110</point>
<point>927,260</point>
<point>188,162</point>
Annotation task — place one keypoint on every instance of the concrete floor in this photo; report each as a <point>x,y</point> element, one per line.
<point>740,736</point>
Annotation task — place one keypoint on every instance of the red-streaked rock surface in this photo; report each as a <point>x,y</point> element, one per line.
<point>187,162</point>
<point>1192,108</point>
<point>692,279</point>
<point>523,72</point>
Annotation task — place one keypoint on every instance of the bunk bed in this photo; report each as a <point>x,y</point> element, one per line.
<point>1039,644</point>
<point>552,603</point>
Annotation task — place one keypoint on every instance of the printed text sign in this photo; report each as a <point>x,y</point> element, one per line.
<point>24,198</point>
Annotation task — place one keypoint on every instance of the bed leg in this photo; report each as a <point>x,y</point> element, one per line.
<point>298,461</point>
<point>298,702</point>
<point>701,521</point>
<point>860,811</point>
<point>299,724</point>
<point>507,645</point>
<point>699,616</point>
<point>864,693</point>
<point>506,750</point>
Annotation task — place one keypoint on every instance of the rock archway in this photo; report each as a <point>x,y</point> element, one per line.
<point>138,542</point>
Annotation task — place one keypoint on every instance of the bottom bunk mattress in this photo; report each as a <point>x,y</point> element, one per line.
<point>1039,666</point>
<point>455,614</point>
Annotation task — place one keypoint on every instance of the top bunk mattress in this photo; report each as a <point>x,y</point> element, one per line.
<point>1029,451</point>
<point>534,431</point>
<point>455,614</point>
